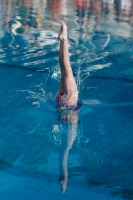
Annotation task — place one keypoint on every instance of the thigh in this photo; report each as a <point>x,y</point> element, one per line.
<point>70,88</point>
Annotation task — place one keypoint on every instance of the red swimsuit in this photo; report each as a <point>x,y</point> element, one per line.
<point>62,101</point>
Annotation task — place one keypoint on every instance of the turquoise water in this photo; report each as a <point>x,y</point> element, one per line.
<point>40,155</point>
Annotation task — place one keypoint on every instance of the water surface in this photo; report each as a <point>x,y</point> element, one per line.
<point>97,153</point>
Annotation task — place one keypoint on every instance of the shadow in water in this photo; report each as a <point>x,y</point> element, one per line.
<point>113,78</point>
<point>44,70</point>
<point>47,70</point>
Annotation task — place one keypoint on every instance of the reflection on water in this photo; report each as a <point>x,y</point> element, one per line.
<point>101,53</point>
<point>67,140</point>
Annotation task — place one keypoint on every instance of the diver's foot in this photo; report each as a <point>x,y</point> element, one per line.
<point>63,33</point>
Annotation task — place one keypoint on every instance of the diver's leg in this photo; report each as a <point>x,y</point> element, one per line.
<point>70,87</point>
<point>62,70</point>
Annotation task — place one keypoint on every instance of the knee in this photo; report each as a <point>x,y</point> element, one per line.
<point>68,72</point>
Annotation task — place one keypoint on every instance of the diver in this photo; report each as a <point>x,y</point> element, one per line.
<point>67,105</point>
<point>68,94</point>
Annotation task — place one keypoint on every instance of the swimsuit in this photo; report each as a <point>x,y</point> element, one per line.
<point>62,103</point>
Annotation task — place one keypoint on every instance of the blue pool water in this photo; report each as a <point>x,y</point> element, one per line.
<point>40,155</point>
